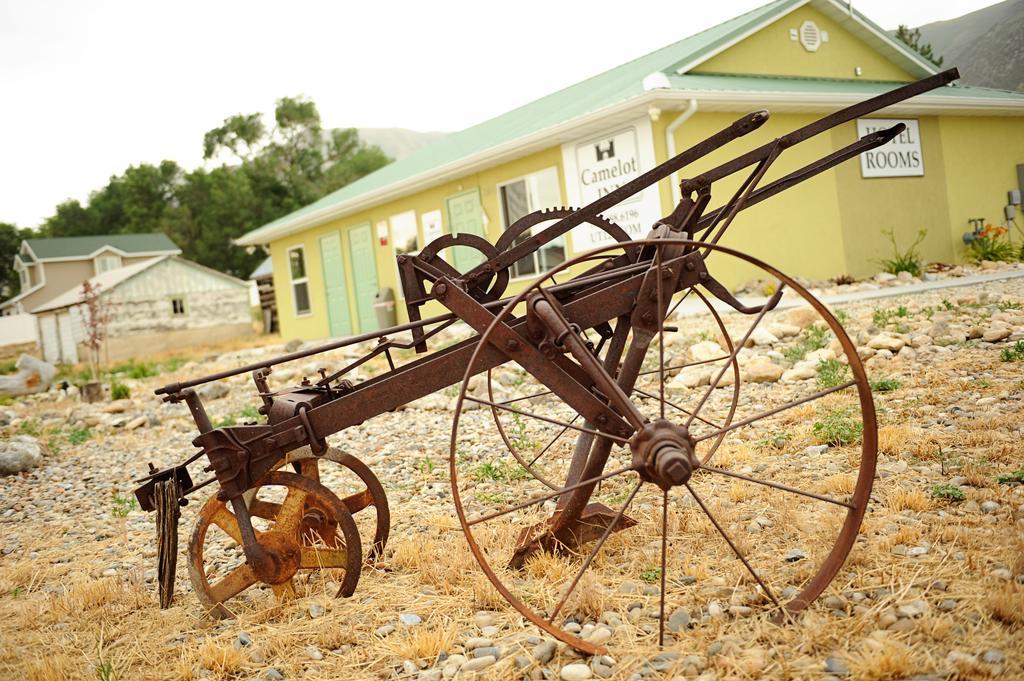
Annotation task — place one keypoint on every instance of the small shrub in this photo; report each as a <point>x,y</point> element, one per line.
<point>948,492</point>
<point>250,412</point>
<point>173,364</point>
<point>1016,476</point>
<point>903,261</point>
<point>426,466</point>
<point>500,471</point>
<point>885,384</point>
<point>990,245</point>
<point>1005,305</point>
<point>122,506</point>
<point>813,338</point>
<point>135,370</point>
<point>8,367</point>
<point>30,427</point>
<point>1014,354</point>
<point>843,280</point>
<point>838,428</point>
<point>119,391</point>
<point>832,372</point>
<point>79,435</point>
<point>651,575</point>
<point>228,420</point>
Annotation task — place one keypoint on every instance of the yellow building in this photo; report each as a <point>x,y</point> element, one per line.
<point>800,59</point>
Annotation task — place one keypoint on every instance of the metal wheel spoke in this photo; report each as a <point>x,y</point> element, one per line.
<point>556,422</point>
<point>770,303</point>
<point>292,508</point>
<point>526,397</point>
<point>358,501</point>
<point>553,440</point>
<point>267,510</point>
<point>679,302</point>
<point>673,367</point>
<point>552,495</point>
<point>776,485</point>
<point>661,337</point>
<point>728,540</point>
<point>664,551</point>
<point>319,558</point>
<point>310,468</point>
<point>676,406</point>
<point>775,410</point>
<point>593,553</point>
<point>236,581</point>
<point>225,520</point>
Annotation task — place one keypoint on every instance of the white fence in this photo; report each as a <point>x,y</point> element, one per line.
<point>18,329</point>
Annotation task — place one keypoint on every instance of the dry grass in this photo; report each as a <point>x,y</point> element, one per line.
<point>219,658</point>
<point>1007,605</point>
<point>894,439</point>
<point>901,499</point>
<point>882,659</point>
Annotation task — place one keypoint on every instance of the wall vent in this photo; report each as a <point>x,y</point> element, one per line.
<point>810,36</point>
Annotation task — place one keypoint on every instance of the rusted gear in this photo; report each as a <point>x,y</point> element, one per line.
<point>289,539</point>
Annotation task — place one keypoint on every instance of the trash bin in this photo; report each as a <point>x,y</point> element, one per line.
<point>384,307</point>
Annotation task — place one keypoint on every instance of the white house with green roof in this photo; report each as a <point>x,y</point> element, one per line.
<point>800,59</point>
<point>50,267</point>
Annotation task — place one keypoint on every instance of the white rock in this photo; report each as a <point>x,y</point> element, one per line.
<point>33,376</point>
<point>20,453</point>
<point>995,334</point>
<point>801,371</point>
<point>802,317</point>
<point>822,355</point>
<point>887,342</point>
<point>762,371</point>
<point>576,671</point>
<point>783,330</point>
<point>762,337</point>
<point>884,277</point>
<point>705,351</point>
<point>691,377</point>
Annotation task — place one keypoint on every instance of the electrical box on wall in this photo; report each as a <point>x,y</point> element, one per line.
<point>1020,177</point>
<point>1013,197</point>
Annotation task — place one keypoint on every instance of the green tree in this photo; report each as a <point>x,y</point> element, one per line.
<point>912,38</point>
<point>10,240</point>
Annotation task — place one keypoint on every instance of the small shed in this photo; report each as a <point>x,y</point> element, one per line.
<point>158,305</point>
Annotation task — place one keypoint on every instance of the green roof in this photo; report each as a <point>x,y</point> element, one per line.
<point>85,246</point>
<point>613,87</point>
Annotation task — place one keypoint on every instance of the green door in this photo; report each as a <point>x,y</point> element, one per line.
<point>465,216</point>
<point>364,275</point>
<point>338,319</point>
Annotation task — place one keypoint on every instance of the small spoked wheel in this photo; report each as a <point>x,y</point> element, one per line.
<point>757,488</point>
<point>301,524</point>
<point>354,483</point>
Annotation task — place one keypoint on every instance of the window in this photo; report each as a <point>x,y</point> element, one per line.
<point>526,195</point>
<point>404,234</point>
<point>23,273</point>
<point>177,306</point>
<point>105,263</point>
<point>300,282</point>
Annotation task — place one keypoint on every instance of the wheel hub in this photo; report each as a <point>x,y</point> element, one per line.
<point>283,554</point>
<point>663,453</point>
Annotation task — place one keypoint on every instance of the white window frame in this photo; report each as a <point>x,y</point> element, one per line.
<point>394,242</point>
<point>106,257</point>
<point>293,281</point>
<point>530,209</point>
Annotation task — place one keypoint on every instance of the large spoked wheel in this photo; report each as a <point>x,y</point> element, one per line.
<point>302,524</point>
<point>353,481</point>
<point>765,505</point>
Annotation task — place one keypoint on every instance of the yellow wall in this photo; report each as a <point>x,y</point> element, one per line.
<point>835,59</point>
<point>315,325</point>
<point>980,156</point>
<point>903,204</point>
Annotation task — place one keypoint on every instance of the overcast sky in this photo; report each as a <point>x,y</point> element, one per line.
<point>88,88</point>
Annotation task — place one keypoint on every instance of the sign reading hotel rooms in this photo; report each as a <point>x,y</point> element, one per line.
<point>899,158</point>
<point>598,166</point>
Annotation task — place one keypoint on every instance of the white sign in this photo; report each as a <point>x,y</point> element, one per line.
<point>899,158</point>
<point>431,222</point>
<point>600,165</point>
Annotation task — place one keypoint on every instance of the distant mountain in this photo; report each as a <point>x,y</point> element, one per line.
<point>987,45</point>
<point>398,142</point>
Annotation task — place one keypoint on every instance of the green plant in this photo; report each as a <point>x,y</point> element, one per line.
<point>228,420</point>
<point>842,316</point>
<point>249,412</point>
<point>500,471</point>
<point>8,367</point>
<point>1014,354</point>
<point>832,372</point>
<point>838,428</point>
<point>490,497</point>
<point>119,391</point>
<point>16,592</point>
<point>79,435</point>
<point>426,466</point>
<point>1016,476</point>
<point>778,439</point>
<point>992,247</point>
<point>174,363</point>
<point>521,439</point>
<point>903,261</point>
<point>651,575</point>
<point>812,338</point>
<point>135,369</point>
<point>884,384</point>
<point>948,492</point>
<point>1005,305</point>
<point>30,427</point>
<point>105,671</point>
<point>947,306</point>
<point>122,506</point>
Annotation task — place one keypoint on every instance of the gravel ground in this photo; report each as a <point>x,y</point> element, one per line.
<point>933,588</point>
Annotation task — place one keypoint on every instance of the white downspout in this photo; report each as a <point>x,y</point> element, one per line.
<point>670,143</point>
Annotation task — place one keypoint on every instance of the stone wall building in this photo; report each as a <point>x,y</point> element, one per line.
<point>158,305</point>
